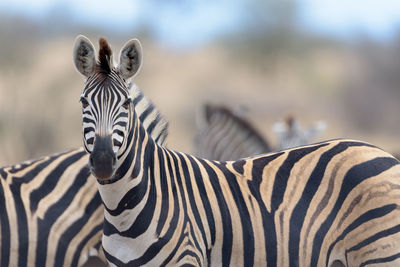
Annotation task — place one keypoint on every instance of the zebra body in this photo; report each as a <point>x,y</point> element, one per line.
<point>51,213</point>
<point>222,136</point>
<point>307,206</point>
<point>335,202</point>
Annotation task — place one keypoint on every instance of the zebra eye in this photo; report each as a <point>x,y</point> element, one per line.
<point>127,103</point>
<point>84,102</point>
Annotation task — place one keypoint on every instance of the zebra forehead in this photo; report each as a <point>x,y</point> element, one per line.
<point>106,82</point>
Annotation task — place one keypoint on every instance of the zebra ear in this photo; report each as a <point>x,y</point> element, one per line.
<point>84,56</point>
<point>130,59</point>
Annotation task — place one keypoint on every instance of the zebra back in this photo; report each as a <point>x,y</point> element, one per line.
<point>222,135</point>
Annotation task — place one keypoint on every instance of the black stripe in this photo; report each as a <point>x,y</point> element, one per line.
<point>267,219</point>
<point>182,237</point>
<point>381,260</point>
<point>90,141</point>
<point>14,169</point>
<point>88,130</point>
<point>129,200</point>
<point>88,120</point>
<point>113,104</point>
<point>283,174</point>
<point>97,107</point>
<point>196,243</point>
<point>135,194</point>
<point>3,173</point>
<point>176,209</point>
<point>190,254</point>
<point>146,113</point>
<point>118,132</point>
<point>79,248</point>
<point>121,123</point>
<point>192,202</point>
<point>137,99</point>
<point>5,230</point>
<point>353,177</point>
<point>244,215</point>
<point>312,185</point>
<point>204,199</point>
<point>51,180</point>
<point>117,143</point>
<point>123,169</point>
<point>164,192</point>
<point>155,248</point>
<point>153,124</point>
<point>116,261</point>
<point>22,219</point>
<point>179,180</point>
<point>144,218</point>
<point>55,211</point>
<point>87,112</point>
<point>366,217</point>
<point>379,235</point>
<point>238,166</point>
<point>225,214</point>
<point>123,115</point>
<point>137,147</point>
<point>32,173</point>
<point>162,135</point>
<point>74,229</point>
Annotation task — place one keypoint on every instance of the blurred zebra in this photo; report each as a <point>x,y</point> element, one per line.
<point>51,213</point>
<point>223,135</point>
<point>334,203</point>
<point>291,134</point>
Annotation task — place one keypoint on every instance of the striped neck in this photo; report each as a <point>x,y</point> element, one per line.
<point>132,173</point>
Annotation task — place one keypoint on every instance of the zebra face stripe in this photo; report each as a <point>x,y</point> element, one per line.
<point>106,105</point>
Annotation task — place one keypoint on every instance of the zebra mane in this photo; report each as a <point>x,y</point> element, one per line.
<point>105,56</point>
<point>149,115</point>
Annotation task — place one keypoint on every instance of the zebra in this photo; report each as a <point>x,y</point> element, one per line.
<point>222,135</point>
<point>225,135</point>
<point>334,203</point>
<point>51,213</point>
<point>291,134</point>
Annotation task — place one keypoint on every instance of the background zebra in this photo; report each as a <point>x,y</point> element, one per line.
<point>332,203</point>
<point>225,135</point>
<point>291,134</point>
<point>222,135</point>
<point>51,213</point>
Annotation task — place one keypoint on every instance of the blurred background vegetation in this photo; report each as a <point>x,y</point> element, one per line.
<point>317,60</point>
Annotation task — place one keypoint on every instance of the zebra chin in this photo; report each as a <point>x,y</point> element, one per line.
<point>102,160</point>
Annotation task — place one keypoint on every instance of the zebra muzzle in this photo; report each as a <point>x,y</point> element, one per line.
<point>102,160</point>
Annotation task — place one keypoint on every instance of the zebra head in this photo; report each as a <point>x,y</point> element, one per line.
<point>106,101</point>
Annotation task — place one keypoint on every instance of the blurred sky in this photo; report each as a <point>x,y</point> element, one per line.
<point>198,21</point>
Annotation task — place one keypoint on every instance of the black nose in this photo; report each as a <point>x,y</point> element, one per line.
<point>102,160</point>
